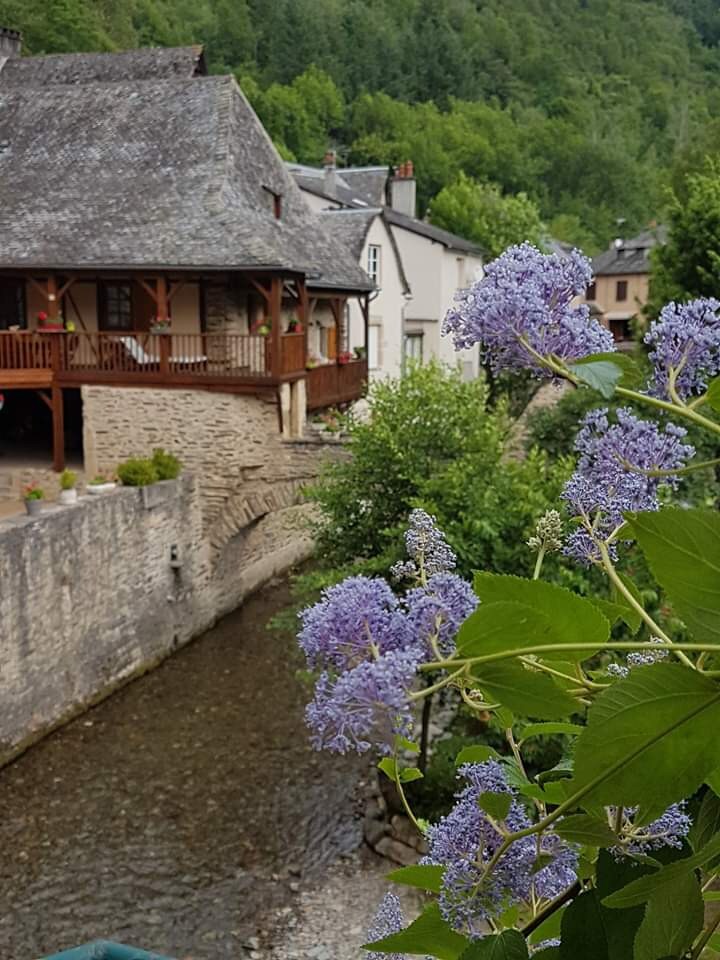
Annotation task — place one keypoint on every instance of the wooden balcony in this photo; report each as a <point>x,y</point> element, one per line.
<point>231,362</point>
<point>333,383</point>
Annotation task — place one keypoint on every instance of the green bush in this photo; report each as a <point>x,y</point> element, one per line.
<point>167,465</point>
<point>137,472</point>
<point>68,479</point>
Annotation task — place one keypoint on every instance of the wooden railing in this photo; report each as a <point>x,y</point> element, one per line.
<point>333,383</point>
<point>82,357</point>
<point>292,353</point>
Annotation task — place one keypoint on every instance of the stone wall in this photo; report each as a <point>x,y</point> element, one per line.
<point>90,595</point>
<point>231,443</point>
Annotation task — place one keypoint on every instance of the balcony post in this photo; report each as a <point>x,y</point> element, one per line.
<point>276,292</point>
<point>52,298</point>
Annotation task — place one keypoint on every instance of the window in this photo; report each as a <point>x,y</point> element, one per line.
<point>275,202</point>
<point>12,303</point>
<point>414,347</point>
<point>591,291</point>
<point>116,306</point>
<point>373,263</point>
<point>374,348</point>
<point>621,290</point>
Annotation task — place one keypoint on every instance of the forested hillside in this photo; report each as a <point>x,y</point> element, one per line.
<point>589,106</point>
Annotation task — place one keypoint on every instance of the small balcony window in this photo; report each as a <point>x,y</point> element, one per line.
<point>621,290</point>
<point>12,303</point>
<point>373,263</point>
<point>414,347</point>
<point>591,291</point>
<point>116,306</point>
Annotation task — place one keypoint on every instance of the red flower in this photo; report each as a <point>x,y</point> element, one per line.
<point>42,316</point>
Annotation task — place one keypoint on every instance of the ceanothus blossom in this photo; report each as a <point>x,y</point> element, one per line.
<point>387,920</point>
<point>525,299</point>
<point>609,479</point>
<point>364,707</point>
<point>686,338</point>
<point>669,830</point>
<point>353,621</point>
<point>640,658</point>
<point>464,842</point>
<point>438,610</point>
<point>427,548</point>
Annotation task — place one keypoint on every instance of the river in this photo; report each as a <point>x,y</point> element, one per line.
<point>177,814</point>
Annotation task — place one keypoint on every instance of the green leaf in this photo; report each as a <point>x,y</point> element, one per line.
<point>501,627</point>
<point>402,743</point>
<point>572,618</point>
<point>546,729</point>
<point>682,548</point>
<point>495,804</point>
<point>508,945</point>
<point>388,767</point>
<point>673,918</point>
<point>426,877</point>
<point>650,739</point>
<point>549,929</point>
<point>630,372</point>
<point>478,753</point>
<point>712,396</point>
<point>524,691</point>
<point>549,953</point>
<point>706,822</point>
<point>645,887</point>
<point>429,934</point>
<point>409,774</point>
<point>600,375</point>
<point>590,931</point>
<point>586,830</point>
<point>619,611</point>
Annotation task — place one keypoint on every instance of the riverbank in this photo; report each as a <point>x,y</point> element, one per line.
<point>184,813</point>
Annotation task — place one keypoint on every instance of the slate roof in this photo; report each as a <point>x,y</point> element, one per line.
<point>312,180</point>
<point>630,257</point>
<point>147,64</point>
<point>369,182</point>
<point>167,172</point>
<point>350,227</point>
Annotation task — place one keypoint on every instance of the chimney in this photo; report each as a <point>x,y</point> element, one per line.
<point>330,168</point>
<point>10,43</point>
<point>403,189</point>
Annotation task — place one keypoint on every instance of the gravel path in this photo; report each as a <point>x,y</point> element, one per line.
<point>330,919</point>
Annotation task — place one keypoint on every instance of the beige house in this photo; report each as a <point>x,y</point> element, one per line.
<point>416,266</point>
<point>619,290</point>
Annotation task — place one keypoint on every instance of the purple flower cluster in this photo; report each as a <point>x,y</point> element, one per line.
<point>640,658</point>
<point>686,339</point>
<point>609,478</point>
<point>525,300</point>
<point>669,830</point>
<point>438,609</point>
<point>387,920</point>
<point>465,841</point>
<point>427,548</point>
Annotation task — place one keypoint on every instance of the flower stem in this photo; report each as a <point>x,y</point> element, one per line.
<point>617,582</point>
<point>539,562</point>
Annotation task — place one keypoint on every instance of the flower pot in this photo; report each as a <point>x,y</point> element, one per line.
<point>97,488</point>
<point>51,328</point>
<point>34,507</point>
<point>68,497</point>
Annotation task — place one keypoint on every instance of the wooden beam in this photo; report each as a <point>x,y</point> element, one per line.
<point>276,292</point>
<point>39,287</point>
<point>148,289</point>
<point>65,287</point>
<point>261,289</point>
<point>52,298</point>
<point>58,429</point>
<point>162,299</point>
<point>174,289</point>
<point>45,398</point>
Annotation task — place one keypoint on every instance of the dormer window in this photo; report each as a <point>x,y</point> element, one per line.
<point>275,200</point>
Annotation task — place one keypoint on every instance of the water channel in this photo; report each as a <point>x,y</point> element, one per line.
<point>179,812</point>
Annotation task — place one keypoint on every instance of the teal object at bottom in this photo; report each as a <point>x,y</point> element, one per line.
<point>104,950</point>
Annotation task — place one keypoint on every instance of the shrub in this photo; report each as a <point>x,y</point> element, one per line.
<point>68,479</point>
<point>33,492</point>
<point>137,472</point>
<point>167,466</point>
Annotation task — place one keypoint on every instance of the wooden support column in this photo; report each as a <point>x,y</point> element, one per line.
<point>276,291</point>
<point>161,297</point>
<point>58,428</point>
<point>53,309</point>
<point>303,313</point>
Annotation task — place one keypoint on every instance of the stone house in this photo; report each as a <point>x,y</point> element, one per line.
<point>416,266</point>
<point>152,238</point>
<point>621,277</point>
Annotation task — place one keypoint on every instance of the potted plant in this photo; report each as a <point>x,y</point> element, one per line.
<point>263,330</point>
<point>101,484</point>
<point>33,496</point>
<point>68,492</point>
<point>312,362</point>
<point>360,353</point>
<point>344,357</point>
<point>45,325</point>
<point>160,325</point>
<point>295,327</point>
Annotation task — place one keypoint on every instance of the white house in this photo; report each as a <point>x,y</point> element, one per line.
<point>416,266</point>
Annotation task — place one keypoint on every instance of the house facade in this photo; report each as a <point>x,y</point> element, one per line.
<point>152,237</point>
<point>621,277</point>
<point>398,251</point>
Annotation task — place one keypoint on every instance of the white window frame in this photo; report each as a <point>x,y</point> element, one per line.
<point>374,262</point>
<point>415,336</point>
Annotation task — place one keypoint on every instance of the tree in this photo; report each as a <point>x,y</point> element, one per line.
<point>689,264</point>
<point>481,212</point>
